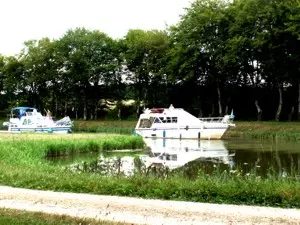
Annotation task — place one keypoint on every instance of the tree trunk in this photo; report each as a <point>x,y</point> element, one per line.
<point>84,107</point>
<point>138,103</point>
<point>227,106</point>
<point>298,100</point>
<point>291,113</point>
<point>212,110</point>
<point>66,107</point>
<point>95,113</point>
<point>200,115</point>
<point>84,110</point>
<point>219,101</point>
<point>279,104</point>
<point>259,111</point>
<point>226,110</point>
<point>96,110</point>
<point>56,106</point>
<point>119,107</point>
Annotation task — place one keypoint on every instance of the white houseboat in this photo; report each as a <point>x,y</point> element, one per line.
<point>27,119</point>
<point>177,123</point>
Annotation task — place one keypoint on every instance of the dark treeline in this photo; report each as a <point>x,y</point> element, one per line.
<point>242,55</point>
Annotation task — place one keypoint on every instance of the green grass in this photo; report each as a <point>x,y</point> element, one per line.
<point>117,127</point>
<point>81,146</point>
<point>265,130</point>
<point>19,217</point>
<point>23,164</point>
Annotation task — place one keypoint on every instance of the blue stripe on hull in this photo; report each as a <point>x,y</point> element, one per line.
<point>41,130</point>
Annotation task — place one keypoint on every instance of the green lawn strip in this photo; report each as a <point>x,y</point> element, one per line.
<point>20,217</point>
<point>265,130</point>
<point>98,126</point>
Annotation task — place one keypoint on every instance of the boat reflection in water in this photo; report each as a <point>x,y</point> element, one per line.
<point>175,153</point>
<point>163,153</point>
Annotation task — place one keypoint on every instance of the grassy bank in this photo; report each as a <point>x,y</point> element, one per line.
<point>265,130</point>
<point>257,130</point>
<point>23,164</point>
<point>18,217</point>
<point>117,127</point>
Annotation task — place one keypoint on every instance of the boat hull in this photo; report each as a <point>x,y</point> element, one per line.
<point>56,130</point>
<point>183,133</point>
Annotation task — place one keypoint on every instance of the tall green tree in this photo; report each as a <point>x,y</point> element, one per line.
<point>145,51</point>
<point>14,82</point>
<point>201,42</point>
<point>88,59</point>
<point>39,70</point>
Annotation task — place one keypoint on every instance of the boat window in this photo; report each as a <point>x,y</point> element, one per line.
<point>25,122</point>
<point>145,123</point>
<point>168,119</point>
<point>163,119</point>
<point>152,120</point>
<point>29,122</point>
<point>157,120</point>
<point>174,119</point>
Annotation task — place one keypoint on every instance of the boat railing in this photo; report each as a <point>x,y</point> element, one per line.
<point>212,119</point>
<point>225,120</point>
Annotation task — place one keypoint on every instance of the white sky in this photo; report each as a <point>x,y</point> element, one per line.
<point>23,20</point>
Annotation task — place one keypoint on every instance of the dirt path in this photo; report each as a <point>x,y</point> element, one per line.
<point>141,211</point>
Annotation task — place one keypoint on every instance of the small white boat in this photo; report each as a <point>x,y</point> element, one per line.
<point>177,123</point>
<point>27,119</point>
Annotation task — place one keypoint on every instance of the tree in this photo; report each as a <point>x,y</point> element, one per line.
<point>88,59</point>
<point>145,51</point>
<point>201,44</point>
<point>14,82</point>
<point>39,70</point>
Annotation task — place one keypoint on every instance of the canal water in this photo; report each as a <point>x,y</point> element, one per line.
<point>257,157</point>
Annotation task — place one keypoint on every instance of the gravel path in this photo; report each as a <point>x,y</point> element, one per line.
<point>141,211</point>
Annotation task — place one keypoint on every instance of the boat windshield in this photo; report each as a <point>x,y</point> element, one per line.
<point>146,123</point>
<point>18,112</point>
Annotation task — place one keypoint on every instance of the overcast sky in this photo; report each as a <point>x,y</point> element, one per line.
<point>23,20</point>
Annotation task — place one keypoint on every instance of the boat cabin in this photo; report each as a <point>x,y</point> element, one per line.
<point>166,117</point>
<point>18,112</point>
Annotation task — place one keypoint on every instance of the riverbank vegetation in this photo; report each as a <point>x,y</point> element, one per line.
<point>221,55</point>
<point>23,163</point>
<point>265,130</point>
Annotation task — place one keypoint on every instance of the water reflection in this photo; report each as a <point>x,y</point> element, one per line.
<point>175,153</point>
<point>161,154</point>
<point>165,157</point>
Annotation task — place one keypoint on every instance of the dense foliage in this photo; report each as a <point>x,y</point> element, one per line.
<point>222,55</point>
